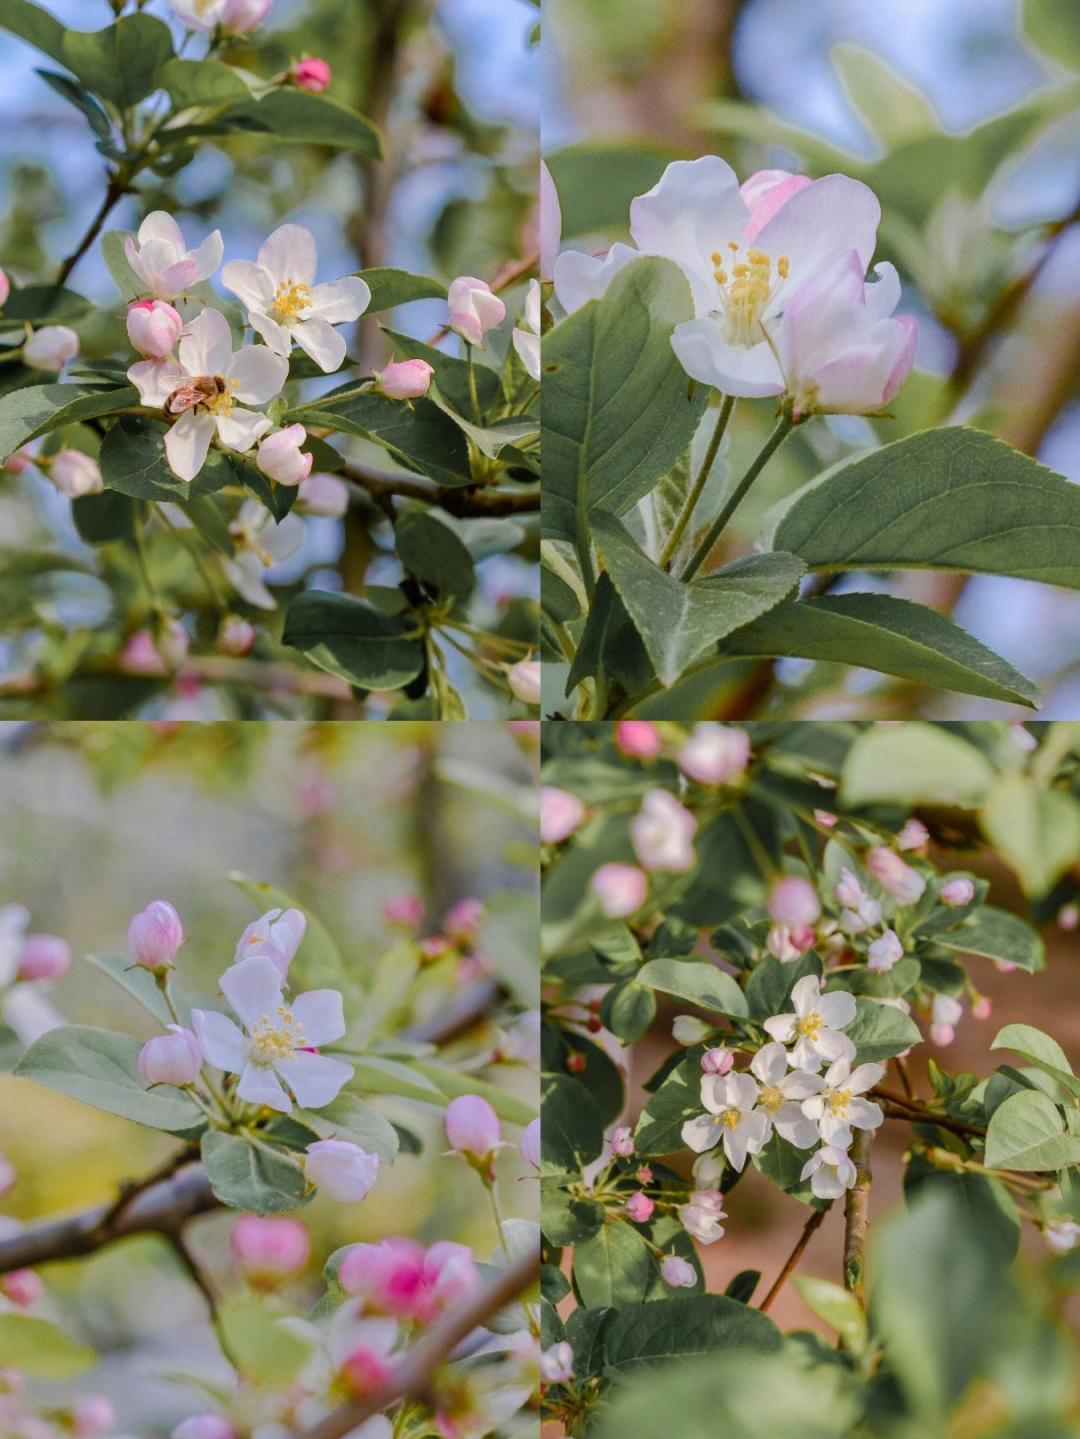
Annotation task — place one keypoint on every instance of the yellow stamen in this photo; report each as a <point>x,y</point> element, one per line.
<point>291,299</point>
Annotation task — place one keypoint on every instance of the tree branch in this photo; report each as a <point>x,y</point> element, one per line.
<point>113,193</point>
<point>810,1228</point>
<point>857,1216</point>
<point>413,1375</point>
<point>463,501</point>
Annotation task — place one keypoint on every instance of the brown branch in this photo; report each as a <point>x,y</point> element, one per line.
<point>897,1107</point>
<point>810,1228</point>
<point>857,1216</point>
<point>113,193</point>
<point>464,500</point>
<point>413,1375</point>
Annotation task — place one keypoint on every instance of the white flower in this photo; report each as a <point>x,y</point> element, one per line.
<point>830,1172</point>
<point>702,1215</point>
<point>714,753</point>
<point>50,348</point>
<point>557,1364</point>
<point>22,1007</point>
<point>234,16</point>
<point>162,260</point>
<point>731,1118</point>
<point>285,304</point>
<point>75,473</point>
<point>836,1108</point>
<point>661,833</point>
<point>279,1047</point>
<point>203,388</point>
<point>945,1015</point>
<point>708,1169</point>
<point>815,1026</point>
<point>261,541</point>
<point>782,1095</point>
<point>884,952</point>
<point>678,1272</point>
<point>1061,1234</point>
<point>527,340</point>
<point>281,458</point>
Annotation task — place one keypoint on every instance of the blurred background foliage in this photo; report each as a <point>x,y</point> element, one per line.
<point>964,118</point>
<point>101,819</point>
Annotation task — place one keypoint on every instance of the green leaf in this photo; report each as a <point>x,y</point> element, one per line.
<point>36,409</point>
<point>614,1267</point>
<point>297,116</point>
<point>35,25</point>
<point>946,499</point>
<point>390,288</point>
<point>83,101</point>
<point>317,963</point>
<point>350,1119</point>
<point>100,519</point>
<point>41,305</point>
<point>416,433</point>
<point>914,763</point>
<point>353,640</point>
<point>596,183</point>
<point>568,1220</point>
<point>890,108</point>
<point>1055,29</point>
<point>882,633</point>
<point>699,982</point>
<point>510,933</point>
<point>678,622</point>
<point>1027,1132</point>
<point>659,1129</point>
<point>451,1084</point>
<point>837,1307</point>
<point>572,1131</point>
<point>101,1068</point>
<point>674,1328</point>
<point>432,553</point>
<point>201,82</point>
<point>491,439</point>
<point>996,934</point>
<point>39,1347</point>
<point>124,277</point>
<point>244,1177</point>
<point>879,1031</point>
<point>265,1349</point>
<point>1045,1053</point>
<point>1035,830</point>
<point>136,981</point>
<point>618,413</point>
<point>121,62</point>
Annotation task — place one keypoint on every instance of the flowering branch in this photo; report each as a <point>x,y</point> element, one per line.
<point>857,1215</point>
<point>412,1376</point>
<point>463,501</point>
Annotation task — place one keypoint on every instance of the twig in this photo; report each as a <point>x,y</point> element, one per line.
<point>905,1077</point>
<point>114,190</point>
<point>206,1288</point>
<point>810,1228</point>
<point>897,1107</point>
<point>413,1375</point>
<point>857,1216</point>
<point>463,501</point>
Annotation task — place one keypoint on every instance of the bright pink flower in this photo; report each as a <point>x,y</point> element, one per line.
<point>269,1249</point>
<point>388,1278</point>
<point>638,739</point>
<point>450,1273</point>
<point>5,288</point>
<point>404,379</point>
<point>154,935</point>
<point>639,1207</point>
<point>153,327</point>
<point>311,74</point>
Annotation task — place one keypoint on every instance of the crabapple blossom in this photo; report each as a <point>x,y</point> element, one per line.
<point>205,1426</point>
<point>830,1171</point>
<point>323,494</point>
<point>404,909</point>
<point>153,327</point>
<point>782,1095</point>
<point>1061,1235</point>
<point>284,303</point>
<point>981,1007</point>
<point>620,889</point>
<point>732,1118</point>
<point>281,458</point>
<point>714,754</point>
<point>957,891</point>
<point>463,919</point>
<point>709,1168</point>
<point>794,901</point>
<point>404,379</point>
<point>1068,918</point>
<point>162,261</point>
<point>261,542</point>
<point>530,1144</point>
<point>678,1272</point>
<point>557,1363</point>
<point>235,17</point>
<point>816,1025</point>
<point>718,1061</point>
<point>765,192</point>
<point>92,1417</point>
<point>836,1108</point>
<point>398,1277</point>
<point>788,944</point>
<point>884,952</point>
<point>622,1142</point>
<point>687,1030</point>
<point>638,739</point>
<point>473,308</point>
<point>365,1368</point>
<point>825,818</point>
<point>560,814</point>
<point>914,835</point>
<point>472,1126</point>
<point>154,935</point>
<point>861,910</point>
<point>173,1058</point>
<point>945,1014</point>
<point>278,1046</point>
<point>550,223</point>
<point>524,681</point>
<point>662,832</point>
<point>23,1287</point>
<point>75,473</point>
<point>450,1273</point>
<point>639,1207</point>
<point>44,956</point>
<point>896,878</point>
<point>5,288</point>
<point>236,636</point>
<point>270,1248</point>
<point>311,74</point>
<point>340,1169</point>
<point>527,339</point>
<point>701,1216</point>
<point>50,348</point>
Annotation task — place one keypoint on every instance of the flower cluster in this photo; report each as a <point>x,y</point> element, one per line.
<point>29,963</point>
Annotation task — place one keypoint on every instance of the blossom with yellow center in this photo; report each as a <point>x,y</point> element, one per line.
<point>815,1027</point>
<point>838,1107</point>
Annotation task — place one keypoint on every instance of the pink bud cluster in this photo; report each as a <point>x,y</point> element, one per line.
<point>400,1278</point>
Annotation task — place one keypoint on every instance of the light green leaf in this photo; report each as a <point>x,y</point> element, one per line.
<point>36,409</point>
<point>510,933</point>
<point>996,934</point>
<point>202,82</point>
<point>1045,1053</point>
<point>317,963</point>
<point>1035,830</point>
<point>1055,29</point>
<point>452,1084</point>
<point>353,640</point>
<point>134,980</point>
<point>492,439</point>
<point>375,1074</point>
<point>882,633</point>
<point>418,435</point>
<point>678,622</point>
<point>39,1347</point>
<point>350,1119</point>
<point>618,412</point>
<point>946,499</point>
<point>1027,1132</point>
<point>879,1031</point>
<point>837,1307</point>
<point>121,62</point>
<point>914,763</point>
<point>101,1068</point>
<point>244,1177</point>
<point>265,1349</point>
<point>34,24</point>
<point>891,109</point>
<point>698,982</point>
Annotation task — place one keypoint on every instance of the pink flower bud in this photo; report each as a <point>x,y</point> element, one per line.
<point>622,1142</point>
<point>560,814</point>
<point>524,681</point>
<point>341,1170</point>
<point>981,1007</point>
<point>269,1249</point>
<point>140,654</point>
<point>883,953</point>
<point>92,1417</point>
<point>365,1370</point>
<point>644,1174</point>
<point>678,1272</point>
<point>154,935</point>
<point>717,1061</point>
<point>530,1145</point>
<point>8,1175</point>
<point>51,347</point>
<point>17,462</point>
<point>323,494</point>
<point>22,1287</point>
<point>388,1278</point>
<point>153,327</point>
<point>406,910</point>
<point>173,1058</point>
<point>75,474</point>
<point>204,1426</point>
<point>239,16</point>
<point>794,901</point>
<point>848,890</point>
<point>404,379</point>
<point>620,889</point>
<point>896,878</point>
<point>638,739</point>
<point>472,1126</point>
<point>435,946</point>
<point>473,308</point>
<point>715,754</point>
<point>957,891</point>
<point>5,288</point>
<point>914,835</point>
<point>281,457</point>
<point>236,637</point>
<point>311,74</point>
<point>787,944</point>
<point>639,1207</point>
<point>825,818</point>
<point>43,956</point>
<point>662,832</point>
<point>450,1273</point>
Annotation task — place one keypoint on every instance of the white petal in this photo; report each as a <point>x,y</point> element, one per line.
<point>831,1044</point>
<point>241,429</point>
<point>528,349</point>
<point>797,1130</point>
<point>865,1077</point>
<point>155,380</point>
<point>245,575</point>
<point>135,260</point>
<point>289,257</point>
<point>749,371</point>
<point>160,225</point>
<point>835,1129</point>
<point>275,335</point>
<point>579,277</point>
<point>782,1027</point>
<point>222,1043</point>
<point>259,1085</point>
<point>837,1009</point>
<point>187,442</point>
<point>249,283</point>
<point>770,1063</point>
<point>863,1114</point>
<point>208,256</point>
<point>253,988</point>
<point>315,1079</point>
<point>693,211</point>
<point>805,992</point>
<point>735,1147</point>
<point>742,1091</point>
<point>174,279</point>
<point>340,300</point>
<point>827,217</point>
<point>259,374</point>
<point>206,345</point>
<point>701,1133</point>
<point>319,1013</point>
<point>321,341</point>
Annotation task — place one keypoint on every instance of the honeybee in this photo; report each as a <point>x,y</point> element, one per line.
<point>194,392</point>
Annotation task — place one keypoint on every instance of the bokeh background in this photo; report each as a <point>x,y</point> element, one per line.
<point>100,819</point>
<point>984,235</point>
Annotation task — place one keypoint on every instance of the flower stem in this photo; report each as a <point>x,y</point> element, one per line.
<point>672,544</point>
<point>810,1228</point>
<point>472,383</point>
<point>783,427</point>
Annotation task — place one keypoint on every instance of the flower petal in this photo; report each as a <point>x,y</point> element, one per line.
<point>155,380</point>
<point>289,256</point>
<point>826,218</point>
<point>208,256</point>
<point>187,442</point>
<point>259,374</point>
<point>275,335</point>
<point>174,279</point>
<point>837,1009</point>
<point>249,283</point>
<point>259,1085</point>
<point>253,988</point>
<point>340,300</point>
<point>160,225</point>
<point>314,1079</point>
<point>702,1133</point>
<point>241,429</point>
<point>321,341</point>
<point>579,277</point>
<point>222,1043</point>
<point>320,1015</point>
<point>749,371</point>
<point>693,211</point>
<point>206,345</point>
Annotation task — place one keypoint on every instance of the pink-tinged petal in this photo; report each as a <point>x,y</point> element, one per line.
<point>206,345</point>
<point>159,225</point>
<point>259,374</point>
<point>322,342</point>
<point>339,301</point>
<point>550,223</point>
<point>904,359</point>
<point>467,326</point>
<point>289,256</point>
<point>155,380</point>
<point>222,1043</point>
<point>135,260</point>
<point>883,296</point>
<point>187,443</point>
<point>314,1079</point>
<point>175,278</point>
<point>765,193</point>
<point>826,218</point>
<point>208,256</point>
<point>749,371</point>
<point>248,283</point>
<point>276,336</point>
<point>260,1085</point>
<point>241,429</point>
<point>253,988</point>
<point>580,278</point>
<point>693,211</point>
<point>320,1015</point>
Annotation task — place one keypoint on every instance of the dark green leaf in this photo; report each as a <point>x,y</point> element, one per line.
<point>390,288</point>
<point>29,412</point>
<point>298,116</point>
<point>996,934</point>
<point>698,982</point>
<point>614,1267</point>
<point>201,82</point>
<point>673,1328</point>
<point>879,1031</point>
<point>100,519</point>
<point>121,62</point>
<point>36,25</point>
<point>416,433</point>
<point>43,304</point>
<point>353,640</point>
<point>64,85</point>
<point>572,1133</point>
<point>431,552</point>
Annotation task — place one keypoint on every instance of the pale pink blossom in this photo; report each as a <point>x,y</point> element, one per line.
<point>281,458</point>
<point>701,1216</point>
<point>473,308</point>
<point>718,1060</point>
<point>765,192</point>
<point>639,1207</point>
<point>51,347</point>
<point>236,636</point>
<point>153,327</point>
<point>342,1170</point>
<point>472,1126</point>
<point>92,1417</point>
<point>619,889</point>
<point>23,1287</point>
<point>526,338</point>
<point>794,901</point>
<point>5,287</point>
<point>678,1272</point>
<point>896,878</point>
<point>715,754</point>
<point>830,1171</point>
<point>884,952</point>
<point>622,1142</point>
<point>205,1426</point>
<point>44,956</point>
<point>530,1144</point>
<point>560,814</point>
<point>524,681</point>
<point>154,935</point>
<point>406,910</point>
<point>323,494</point>
<point>945,1014</point>
<point>404,379</point>
<point>270,1248</point>
<point>914,835</point>
<point>557,1363</point>
<point>957,891</point>
<point>662,833</point>
<point>162,261</point>
<point>787,943</point>
<point>173,1058</point>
